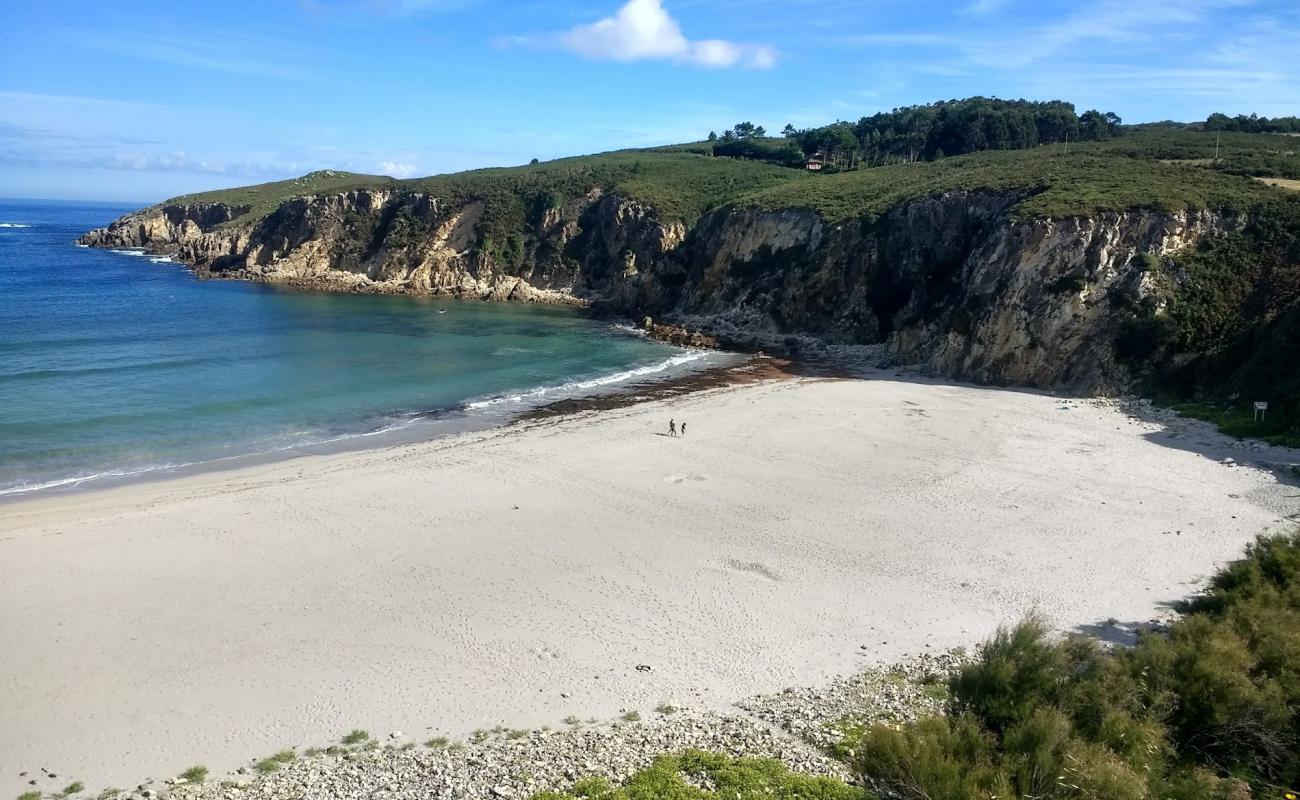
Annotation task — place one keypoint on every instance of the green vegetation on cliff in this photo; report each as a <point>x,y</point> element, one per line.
<point>1055,184</point>
<point>263,198</point>
<point>1153,168</point>
<point>679,186</point>
<point>1238,308</point>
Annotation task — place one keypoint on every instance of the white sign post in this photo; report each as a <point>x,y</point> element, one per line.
<point>1261,408</point>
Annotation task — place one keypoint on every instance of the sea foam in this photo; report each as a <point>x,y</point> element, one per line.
<point>567,389</point>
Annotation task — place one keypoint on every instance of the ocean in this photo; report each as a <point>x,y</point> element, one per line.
<point>116,365</point>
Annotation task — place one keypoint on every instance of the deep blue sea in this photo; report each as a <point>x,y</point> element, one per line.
<point>117,364</point>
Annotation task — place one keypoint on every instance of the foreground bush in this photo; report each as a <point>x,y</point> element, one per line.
<point>1211,710</point>
<point>696,775</point>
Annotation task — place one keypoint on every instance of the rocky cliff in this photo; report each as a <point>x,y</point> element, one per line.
<point>957,281</point>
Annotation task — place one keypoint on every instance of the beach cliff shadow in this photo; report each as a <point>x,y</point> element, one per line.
<point>1120,633</point>
<point>1175,431</point>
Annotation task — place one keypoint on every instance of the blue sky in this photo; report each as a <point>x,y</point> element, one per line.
<point>143,100</point>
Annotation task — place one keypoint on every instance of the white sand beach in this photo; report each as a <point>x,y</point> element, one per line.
<point>801,529</point>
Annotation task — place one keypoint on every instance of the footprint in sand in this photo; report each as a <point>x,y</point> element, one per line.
<point>685,478</point>
<point>753,568</point>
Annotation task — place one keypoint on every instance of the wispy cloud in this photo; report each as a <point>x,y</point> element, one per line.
<point>135,161</point>
<point>643,29</point>
<point>18,100</point>
<point>237,53</point>
<point>1116,22</point>
<point>386,7</point>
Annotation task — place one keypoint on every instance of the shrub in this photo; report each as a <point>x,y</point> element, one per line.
<point>195,774</point>
<point>1201,712</point>
<point>357,736</point>
<point>1019,672</point>
<point>937,758</point>
<point>678,777</point>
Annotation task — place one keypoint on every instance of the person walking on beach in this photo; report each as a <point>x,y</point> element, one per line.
<point>672,427</point>
<point>683,429</point>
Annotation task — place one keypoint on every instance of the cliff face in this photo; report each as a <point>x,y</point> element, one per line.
<point>954,282</point>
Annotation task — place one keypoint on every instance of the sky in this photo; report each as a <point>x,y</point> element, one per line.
<point>139,101</point>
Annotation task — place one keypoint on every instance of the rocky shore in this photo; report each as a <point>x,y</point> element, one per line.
<point>801,727</point>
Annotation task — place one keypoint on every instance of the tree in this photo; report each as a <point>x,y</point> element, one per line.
<point>789,131</point>
<point>1092,125</point>
<point>760,131</point>
<point>1220,122</point>
<point>713,136</point>
<point>743,130</point>
<point>534,161</point>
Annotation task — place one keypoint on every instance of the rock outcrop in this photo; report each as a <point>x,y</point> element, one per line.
<point>956,282</point>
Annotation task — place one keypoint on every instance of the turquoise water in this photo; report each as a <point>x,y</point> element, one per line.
<point>115,364</point>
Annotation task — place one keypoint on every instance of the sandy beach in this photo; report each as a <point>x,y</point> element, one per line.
<point>802,529</point>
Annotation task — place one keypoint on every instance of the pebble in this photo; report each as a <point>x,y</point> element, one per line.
<point>797,726</point>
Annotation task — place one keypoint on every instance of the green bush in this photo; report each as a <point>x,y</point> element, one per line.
<point>357,736</point>
<point>679,777</point>
<point>1204,711</point>
<point>195,774</point>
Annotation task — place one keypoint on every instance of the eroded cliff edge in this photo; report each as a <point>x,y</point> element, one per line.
<point>957,281</point>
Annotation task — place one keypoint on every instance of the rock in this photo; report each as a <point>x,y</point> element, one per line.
<point>644,668</point>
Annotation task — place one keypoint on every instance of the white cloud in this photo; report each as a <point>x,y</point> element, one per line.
<point>397,169</point>
<point>644,29</point>
<point>180,161</point>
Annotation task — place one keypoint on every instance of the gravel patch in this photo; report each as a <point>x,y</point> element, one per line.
<point>799,727</point>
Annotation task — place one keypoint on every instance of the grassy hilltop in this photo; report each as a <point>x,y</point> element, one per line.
<point>1147,168</point>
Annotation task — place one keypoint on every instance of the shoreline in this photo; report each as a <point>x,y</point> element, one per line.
<point>431,425</point>
<point>519,575</point>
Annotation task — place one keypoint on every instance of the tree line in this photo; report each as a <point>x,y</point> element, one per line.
<point>924,133</point>
<point>1252,124</point>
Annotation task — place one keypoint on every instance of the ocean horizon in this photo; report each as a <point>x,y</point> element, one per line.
<point>119,365</point>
